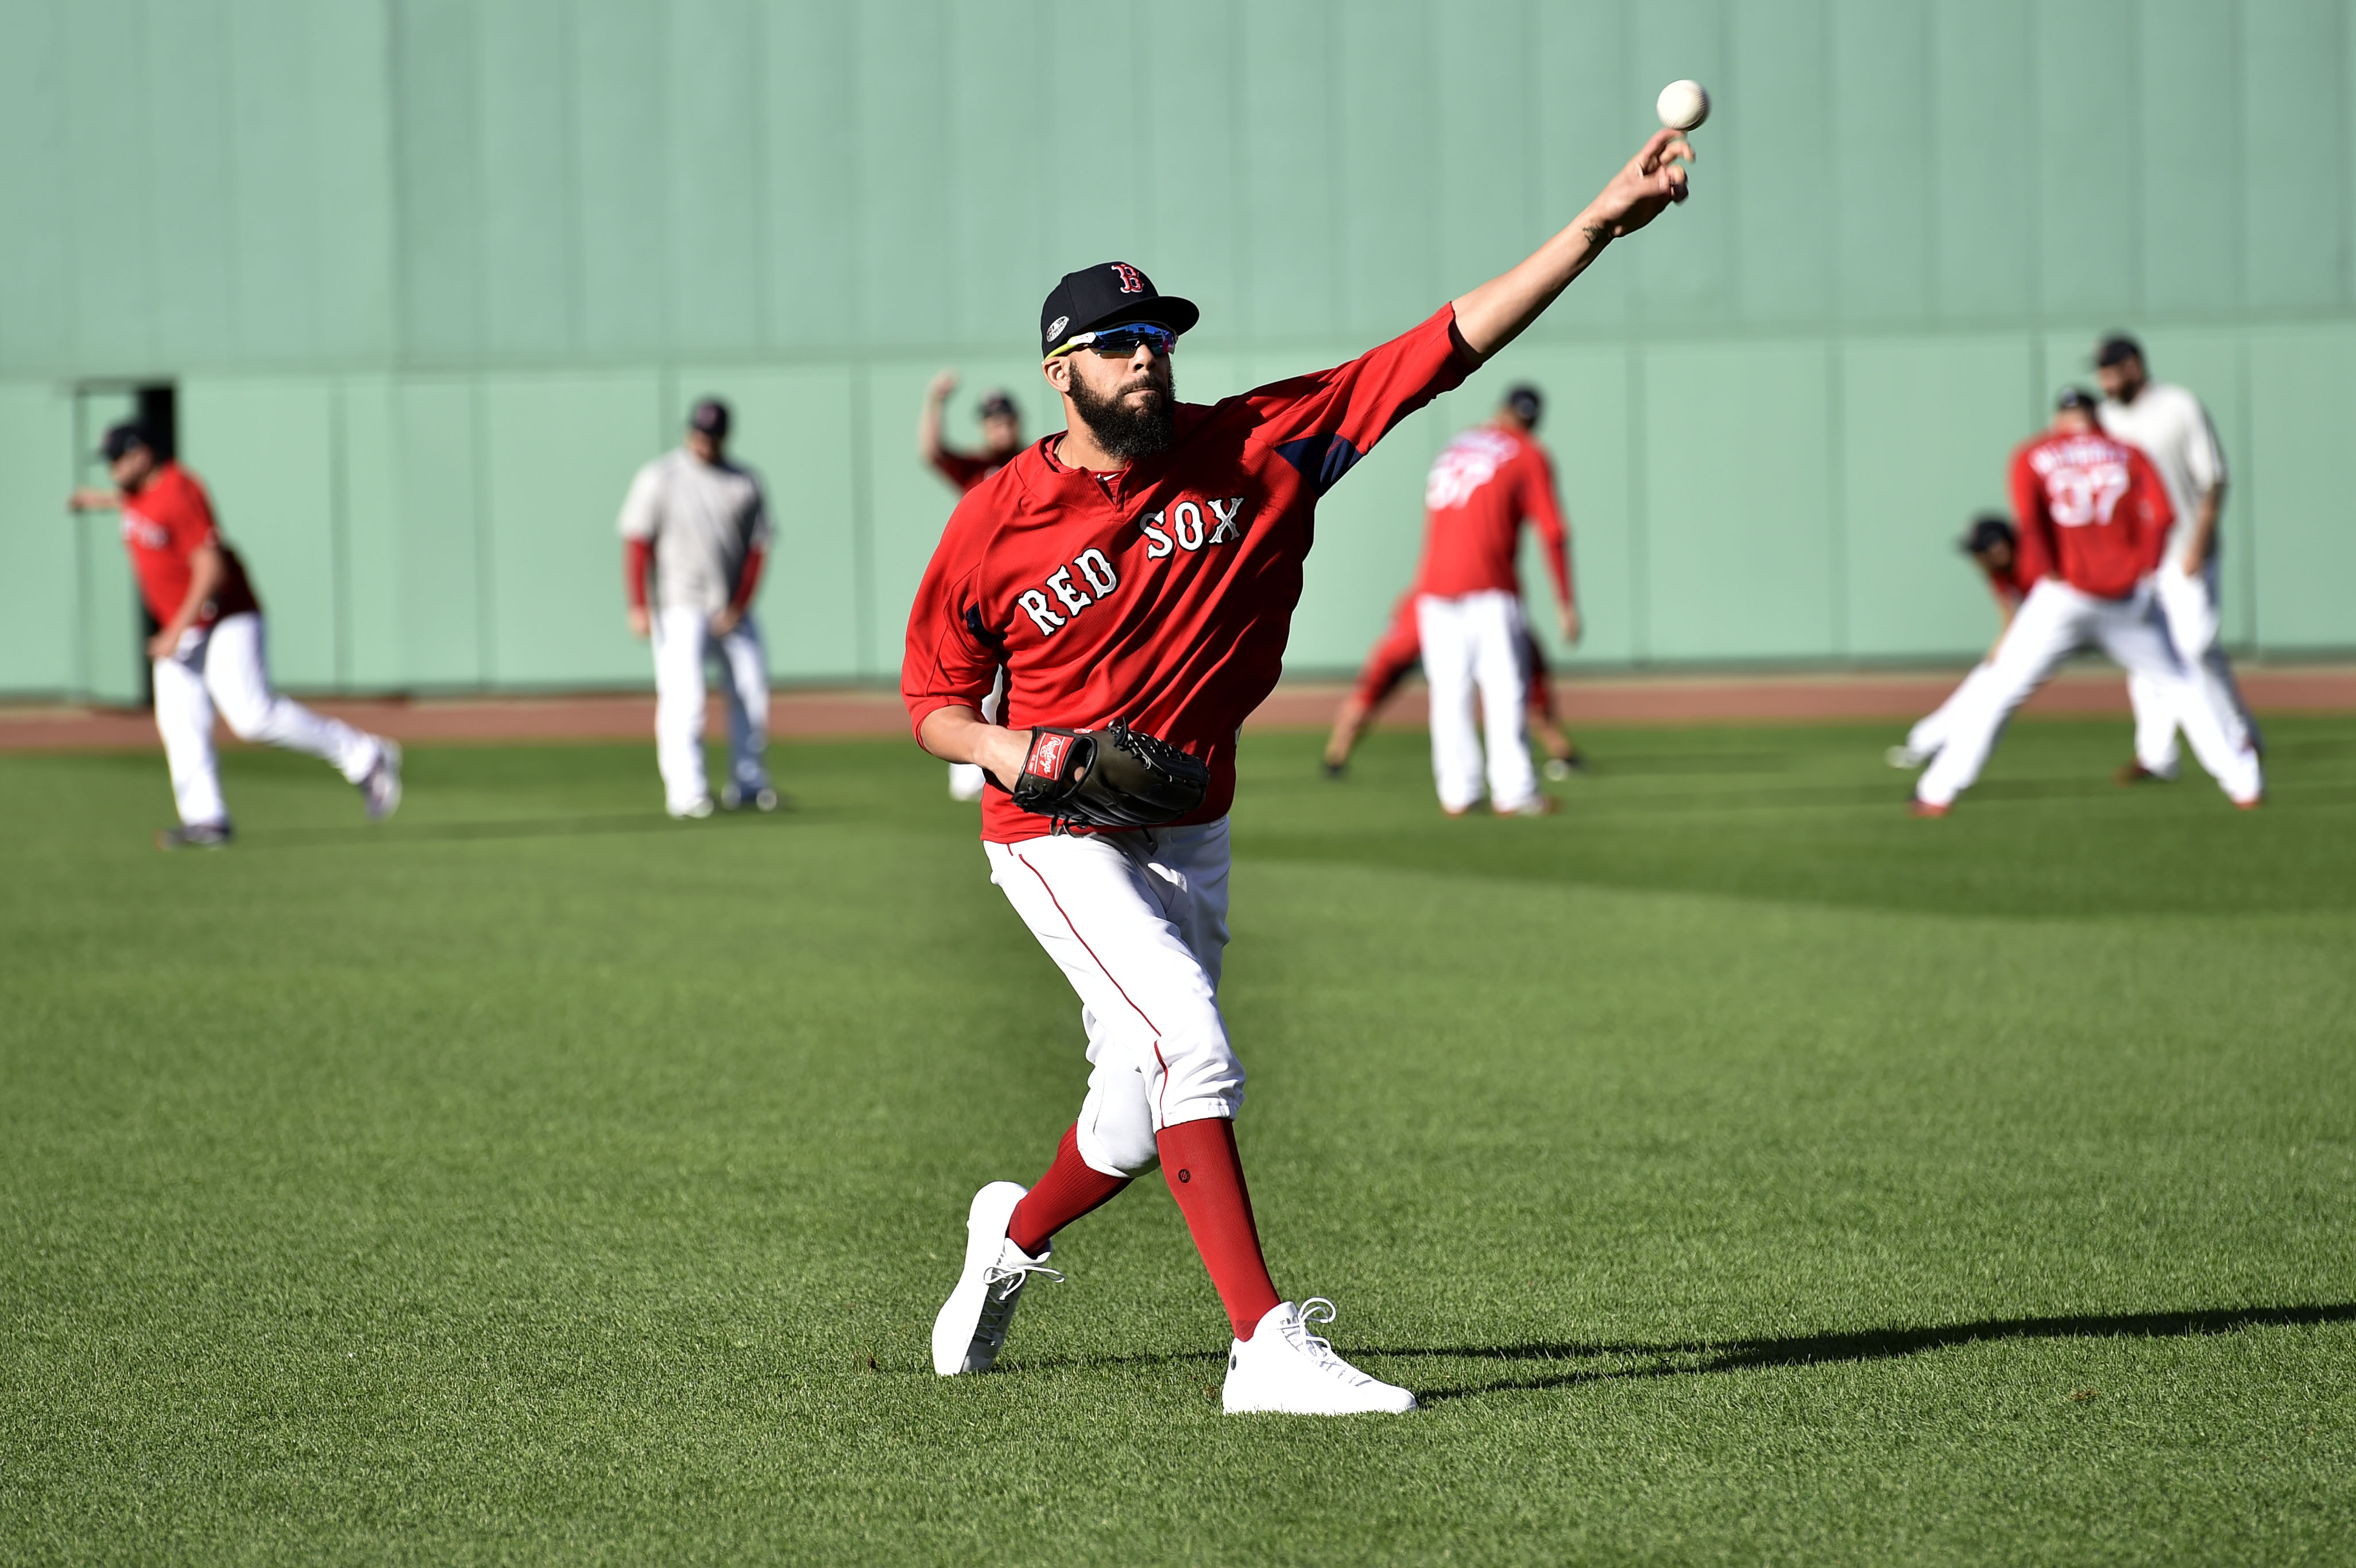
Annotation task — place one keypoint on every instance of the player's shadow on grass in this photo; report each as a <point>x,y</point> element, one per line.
<point>522,828</point>
<point>1675,1360</point>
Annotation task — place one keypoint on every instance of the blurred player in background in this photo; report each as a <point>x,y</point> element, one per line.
<point>2093,520</point>
<point>698,520</point>
<point>209,651</point>
<point>1995,549</point>
<point>2168,425</point>
<point>1394,654</point>
<point>1485,485</point>
<point>1002,434</point>
<point>1001,438</point>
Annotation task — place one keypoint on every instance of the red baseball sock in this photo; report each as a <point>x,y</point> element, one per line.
<point>1207,1179</point>
<point>1071,1187</point>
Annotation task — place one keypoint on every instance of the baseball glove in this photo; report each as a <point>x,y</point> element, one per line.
<point>1112,777</point>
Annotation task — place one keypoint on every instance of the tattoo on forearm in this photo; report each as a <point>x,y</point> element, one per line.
<point>1598,234</point>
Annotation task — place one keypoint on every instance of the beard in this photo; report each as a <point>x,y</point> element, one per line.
<point>1123,429</point>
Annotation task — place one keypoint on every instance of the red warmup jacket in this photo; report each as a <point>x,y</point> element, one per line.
<point>163,525</point>
<point>1485,485</point>
<point>2091,511</point>
<point>1162,595</point>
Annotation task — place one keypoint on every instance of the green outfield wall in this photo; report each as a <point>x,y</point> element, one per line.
<point>430,279</point>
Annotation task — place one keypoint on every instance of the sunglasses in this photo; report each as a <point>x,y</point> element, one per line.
<point>1122,342</point>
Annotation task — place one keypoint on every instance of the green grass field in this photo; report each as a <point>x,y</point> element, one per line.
<point>1741,1170</point>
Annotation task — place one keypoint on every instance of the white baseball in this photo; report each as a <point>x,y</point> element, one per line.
<point>1683,105</point>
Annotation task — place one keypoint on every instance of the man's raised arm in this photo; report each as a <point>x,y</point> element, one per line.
<point>1494,314</point>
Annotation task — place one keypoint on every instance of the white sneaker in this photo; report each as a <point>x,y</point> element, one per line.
<point>695,810</point>
<point>1283,1367</point>
<point>382,787</point>
<point>734,799</point>
<point>1905,757</point>
<point>972,1324</point>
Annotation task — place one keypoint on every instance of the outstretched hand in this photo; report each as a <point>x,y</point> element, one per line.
<point>1652,180</point>
<point>1494,314</point>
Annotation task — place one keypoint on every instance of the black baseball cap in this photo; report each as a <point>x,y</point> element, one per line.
<point>1107,294</point>
<point>999,403</point>
<point>122,438</point>
<point>2076,398</point>
<point>1987,531</point>
<point>2116,349</point>
<point>711,416</point>
<point>1527,401</point>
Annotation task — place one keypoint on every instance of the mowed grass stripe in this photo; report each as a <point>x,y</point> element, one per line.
<point>1742,1170</point>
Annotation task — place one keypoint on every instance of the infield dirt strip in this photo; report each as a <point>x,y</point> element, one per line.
<point>812,714</point>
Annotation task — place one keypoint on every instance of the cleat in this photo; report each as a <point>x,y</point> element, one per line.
<point>382,788</point>
<point>1285,1369</point>
<point>1905,757</point>
<point>734,799</point>
<point>195,836</point>
<point>1925,808</point>
<point>2252,804</point>
<point>2133,773</point>
<point>695,810</point>
<point>1536,805</point>
<point>971,1326</point>
<point>1333,770</point>
<point>1561,768</point>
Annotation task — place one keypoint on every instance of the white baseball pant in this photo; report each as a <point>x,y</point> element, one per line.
<point>2054,622</point>
<point>1931,731</point>
<point>223,668</point>
<point>1138,922</point>
<point>683,640</point>
<point>2188,602</point>
<point>1477,639</point>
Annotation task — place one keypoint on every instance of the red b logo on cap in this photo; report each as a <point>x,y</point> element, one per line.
<point>1131,282</point>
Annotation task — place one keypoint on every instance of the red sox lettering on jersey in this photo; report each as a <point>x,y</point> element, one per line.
<point>1160,594</point>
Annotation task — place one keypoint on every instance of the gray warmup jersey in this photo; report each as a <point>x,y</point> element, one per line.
<point>703,519</point>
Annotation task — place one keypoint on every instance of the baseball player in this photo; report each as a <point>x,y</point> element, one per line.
<point>2168,425</point>
<point>1001,438</point>
<point>2093,520</point>
<point>1395,653</point>
<point>208,652</point>
<point>1135,577</point>
<point>1468,609</point>
<point>1994,547</point>
<point>698,520</point>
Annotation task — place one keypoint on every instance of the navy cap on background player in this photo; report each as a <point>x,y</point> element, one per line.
<point>1107,294</point>
<point>2075,398</point>
<point>2116,349</point>
<point>710,416</point>
<point>1987,531</point>
<point>999,404</point>
<point>122,438</point>
<point>1526,403</point>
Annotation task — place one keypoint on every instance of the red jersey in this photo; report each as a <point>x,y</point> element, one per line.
<point>965,470</point>
<point>2091,509</point>
<point>1485,483</point>
<point>1162,594</point>
<point>163,525</point>
<point>2007,582</point>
